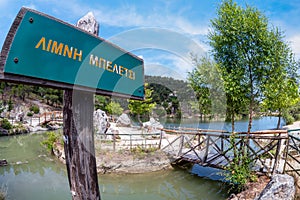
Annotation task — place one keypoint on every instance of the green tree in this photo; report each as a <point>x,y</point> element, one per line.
<point>240,38</point>
<point>52,96</point>
<point>35,109</point>
<point>207,85</point>
<point>142,107</point>
<point>114,108</point>
<point>10,105</point>
<point>49,142</point>
<point>170,93</point>
<point>101,102</point>
<point>281,87</point>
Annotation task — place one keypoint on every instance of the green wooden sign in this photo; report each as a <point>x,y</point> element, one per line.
<point>42,50</point>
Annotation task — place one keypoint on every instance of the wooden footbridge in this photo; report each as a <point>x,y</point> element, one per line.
<point>217,148</point>
<point>47,117</point>
<point>53,116</point>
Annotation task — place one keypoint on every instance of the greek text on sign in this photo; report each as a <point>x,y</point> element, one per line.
<point>47,51</point>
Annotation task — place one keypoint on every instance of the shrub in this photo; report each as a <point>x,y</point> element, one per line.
<point>288,119</point>
<point>5,124</point>
<point>239,169</point>
<point>297,117</point>
<point>35,109</point>
<point>29,114</point>
<point>49,142</point>
<point>10,106</point>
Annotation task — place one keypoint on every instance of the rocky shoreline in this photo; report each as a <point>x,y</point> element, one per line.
<point>124,162</point>
<point>255,189</point>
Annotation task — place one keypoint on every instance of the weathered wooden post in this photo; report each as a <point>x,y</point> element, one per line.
<point>79,144</point>
<point>79,134</point>
<point>160,138</point>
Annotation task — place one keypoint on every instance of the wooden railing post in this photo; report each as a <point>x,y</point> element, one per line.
<point>277,156</point>
<point>130,142</point>
<point>160,139</point>
<point>286,152</point>
<point>207,148</point>
<point>222,143</point>
<point>181,145</point>
<point>199,141</point>
<point>114,142</point>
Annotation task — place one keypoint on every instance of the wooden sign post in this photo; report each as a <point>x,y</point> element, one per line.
<point>44,51</point>
<point>79,134</point>
<point>79,144</point>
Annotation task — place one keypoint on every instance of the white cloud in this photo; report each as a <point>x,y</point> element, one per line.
<point>158,38</point>
<point>295,44</point>
<point>161,47</point>
<point>32,6</point>
<point>123,18</point>
<point>163,63</point>
<point>161,70</point>
<point>130,16</point>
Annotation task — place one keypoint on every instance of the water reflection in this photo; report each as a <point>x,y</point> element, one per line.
<point>171,184</point>
<point>32,174</point>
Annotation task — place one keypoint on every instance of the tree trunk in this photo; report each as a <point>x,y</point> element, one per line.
<point>139,120</point>
<point>79,145</point>
<point>232,121</point>
<point>251,111</point>
<point>279,120</point>
<point>250,119</point>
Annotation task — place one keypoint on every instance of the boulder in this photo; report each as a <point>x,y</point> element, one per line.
<point>281,186</point>
<point>101,123</point>
<point>89,23</point>
<point>20,116</point>
<point>3,162</point>
<point>3,131</point>
<point>124,121</point>
<point>152,125</point>
<point>36,128</point>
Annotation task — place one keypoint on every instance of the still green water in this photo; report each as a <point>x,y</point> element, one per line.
<point>42,177</point>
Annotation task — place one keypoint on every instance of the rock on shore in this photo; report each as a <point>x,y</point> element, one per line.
<point>127,162</point>
<point>124,161</point>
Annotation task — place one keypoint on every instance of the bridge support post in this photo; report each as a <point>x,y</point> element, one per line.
<point>181,145</point>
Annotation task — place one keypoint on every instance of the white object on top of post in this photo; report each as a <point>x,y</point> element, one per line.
<point>89,24</point>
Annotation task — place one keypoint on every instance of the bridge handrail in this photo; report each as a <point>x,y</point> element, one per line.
<point>223,133</point>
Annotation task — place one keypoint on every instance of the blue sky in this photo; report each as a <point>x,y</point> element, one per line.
<point>163,32</point>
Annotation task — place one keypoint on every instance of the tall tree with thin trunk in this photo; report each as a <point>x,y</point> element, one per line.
<point>207,85</point>
<point>241,45</point>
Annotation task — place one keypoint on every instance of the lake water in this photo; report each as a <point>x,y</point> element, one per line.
<point>262,123</point>
<point>44,178</point>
